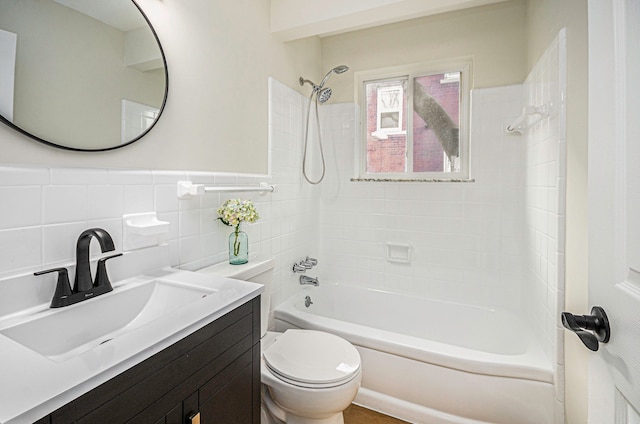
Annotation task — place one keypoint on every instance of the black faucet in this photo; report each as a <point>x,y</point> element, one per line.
<point>83,281</point>
<point>84,287</point>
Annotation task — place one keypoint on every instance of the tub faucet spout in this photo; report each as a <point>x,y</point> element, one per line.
<point>309,280</point>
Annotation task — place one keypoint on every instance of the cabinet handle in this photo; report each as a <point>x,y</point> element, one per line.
<point>194,418</point>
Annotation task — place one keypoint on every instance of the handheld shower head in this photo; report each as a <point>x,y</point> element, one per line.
<point>322,95</point>
<point>338,70</point>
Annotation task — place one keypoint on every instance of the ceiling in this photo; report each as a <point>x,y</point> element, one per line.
<point>295,19</point>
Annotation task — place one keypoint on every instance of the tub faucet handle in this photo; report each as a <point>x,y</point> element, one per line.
<point>297,268</point>
<point>305,265</point>
<point>309,262</point>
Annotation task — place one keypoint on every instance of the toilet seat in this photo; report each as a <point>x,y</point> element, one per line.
<point>312,359</point>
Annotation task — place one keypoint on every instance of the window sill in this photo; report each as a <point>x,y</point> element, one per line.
<point>413,180</point>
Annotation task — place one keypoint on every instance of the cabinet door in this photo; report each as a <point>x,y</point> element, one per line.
<point>228,398</point>
<point>232,403</point>
<point>174,416</point>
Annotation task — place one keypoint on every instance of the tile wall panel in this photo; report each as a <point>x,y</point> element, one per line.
<point>545,204</point>
<point>466,238</point>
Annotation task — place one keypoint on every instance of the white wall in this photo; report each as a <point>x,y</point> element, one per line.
<point>493,36</point>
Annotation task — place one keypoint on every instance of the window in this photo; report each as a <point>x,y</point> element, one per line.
<point>415,122</point>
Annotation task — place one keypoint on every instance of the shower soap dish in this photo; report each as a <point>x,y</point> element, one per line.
<point>399,252</point>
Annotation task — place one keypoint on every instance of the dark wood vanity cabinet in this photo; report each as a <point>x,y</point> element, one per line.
<point>214,372</point>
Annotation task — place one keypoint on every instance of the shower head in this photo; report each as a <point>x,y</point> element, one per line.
<point>338,70</point>
<point>324,94</point>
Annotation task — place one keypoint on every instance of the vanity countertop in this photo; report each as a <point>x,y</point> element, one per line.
<point>34,385</point>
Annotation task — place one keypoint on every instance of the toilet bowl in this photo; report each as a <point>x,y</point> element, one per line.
<point>308,377</point>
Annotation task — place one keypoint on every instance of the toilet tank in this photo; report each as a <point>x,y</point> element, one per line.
<point>257,270</point>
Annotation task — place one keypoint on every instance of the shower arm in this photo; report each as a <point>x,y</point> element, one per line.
<point>302,81</point>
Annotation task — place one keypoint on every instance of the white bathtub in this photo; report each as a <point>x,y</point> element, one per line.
<point>433,362</point>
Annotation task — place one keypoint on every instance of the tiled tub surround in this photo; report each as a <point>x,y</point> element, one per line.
<point>496,242</point>
<point>467,239</point>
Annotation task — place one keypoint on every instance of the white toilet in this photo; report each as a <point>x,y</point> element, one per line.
<point>308,377</point>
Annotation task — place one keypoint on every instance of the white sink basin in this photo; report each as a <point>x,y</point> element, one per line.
<point>62,333</point>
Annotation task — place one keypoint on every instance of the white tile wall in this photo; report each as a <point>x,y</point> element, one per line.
<point>466,238</point>
<point>545,204</point>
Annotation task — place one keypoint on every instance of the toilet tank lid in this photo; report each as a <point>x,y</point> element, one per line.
<point>255,266</point>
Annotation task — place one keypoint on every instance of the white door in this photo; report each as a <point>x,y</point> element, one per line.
<point>614,206</point>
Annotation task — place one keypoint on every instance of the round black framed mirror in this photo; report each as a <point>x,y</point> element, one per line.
<point>83,75</point>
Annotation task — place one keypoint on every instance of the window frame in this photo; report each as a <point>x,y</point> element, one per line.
<point>462,65</point>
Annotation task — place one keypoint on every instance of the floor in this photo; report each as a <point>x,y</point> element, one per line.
<point>358,415</point>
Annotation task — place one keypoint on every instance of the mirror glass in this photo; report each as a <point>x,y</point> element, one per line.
<point>84,75</point>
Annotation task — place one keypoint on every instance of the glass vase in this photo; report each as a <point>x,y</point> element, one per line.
<point>238,247</point>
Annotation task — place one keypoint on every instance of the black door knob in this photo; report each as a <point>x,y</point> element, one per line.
<point>591,329</point>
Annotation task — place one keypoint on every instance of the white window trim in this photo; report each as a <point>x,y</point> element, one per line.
<point>464,66</point>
